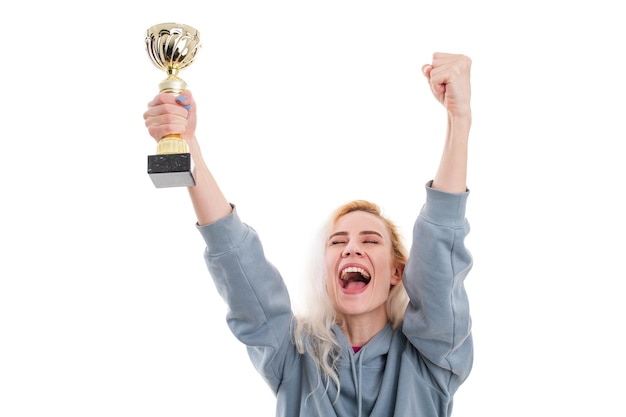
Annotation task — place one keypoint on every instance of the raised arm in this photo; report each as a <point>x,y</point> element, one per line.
<point>168,114</point>
<point>449,78</point>
<point>437,320</point>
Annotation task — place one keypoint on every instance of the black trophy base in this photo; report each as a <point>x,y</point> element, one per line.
<point>171,170</point>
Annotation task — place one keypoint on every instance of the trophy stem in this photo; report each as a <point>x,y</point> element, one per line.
<point>172,84</point>
<point>172,144</point>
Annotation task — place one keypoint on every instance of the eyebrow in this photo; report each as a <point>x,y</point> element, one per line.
<point>362,233</point>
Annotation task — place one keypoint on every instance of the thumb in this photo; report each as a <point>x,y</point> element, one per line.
<point>426,68</point>
<point>436,85</point>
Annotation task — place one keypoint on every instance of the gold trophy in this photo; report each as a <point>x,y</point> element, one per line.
<point>171,48</point>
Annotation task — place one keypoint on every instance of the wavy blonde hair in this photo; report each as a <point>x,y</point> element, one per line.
<point>314,330</point>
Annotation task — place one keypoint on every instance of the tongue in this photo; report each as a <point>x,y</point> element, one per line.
<point>355,285</point>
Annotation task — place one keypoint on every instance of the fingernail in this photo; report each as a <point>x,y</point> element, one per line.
<point>187,106</point>
<point>181,98</point>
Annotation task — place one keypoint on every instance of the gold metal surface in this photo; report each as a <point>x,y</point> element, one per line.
<point>171,48</point>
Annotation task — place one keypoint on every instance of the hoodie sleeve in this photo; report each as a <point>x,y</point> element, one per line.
<point>259,309</point>
<point>437,321</point>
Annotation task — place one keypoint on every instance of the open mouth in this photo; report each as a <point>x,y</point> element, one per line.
<point>354,278</point>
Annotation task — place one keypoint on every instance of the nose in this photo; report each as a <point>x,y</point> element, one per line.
<point>352,248</point>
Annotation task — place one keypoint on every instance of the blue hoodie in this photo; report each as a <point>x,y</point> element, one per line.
<point>413,370</point>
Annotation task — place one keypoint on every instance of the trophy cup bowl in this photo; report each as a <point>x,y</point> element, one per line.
<point>172,47</point>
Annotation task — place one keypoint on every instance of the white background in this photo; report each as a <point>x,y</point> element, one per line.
<point>106,308</point>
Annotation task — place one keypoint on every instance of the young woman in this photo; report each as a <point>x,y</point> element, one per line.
<point>387,335</point>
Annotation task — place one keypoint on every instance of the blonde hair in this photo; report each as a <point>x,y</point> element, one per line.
<point>313,331</point>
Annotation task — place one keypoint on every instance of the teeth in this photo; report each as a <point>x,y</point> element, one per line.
<point>354,269</point>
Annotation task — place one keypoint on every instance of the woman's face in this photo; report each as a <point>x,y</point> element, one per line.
<point>359,265</point>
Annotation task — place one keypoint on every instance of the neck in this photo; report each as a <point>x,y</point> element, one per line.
<point>360,329</point>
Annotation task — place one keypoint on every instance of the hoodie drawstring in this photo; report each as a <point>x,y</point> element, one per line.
<point>357,378</point>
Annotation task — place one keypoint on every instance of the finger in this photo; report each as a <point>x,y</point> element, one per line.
<point>161,98</point>
<point>438,88</point>
<point>166,124</point>
<point>439,77</point>
<point>426,68</point>
<point>182,100</point>
<point>185,99</point>
<point>167,110</point>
